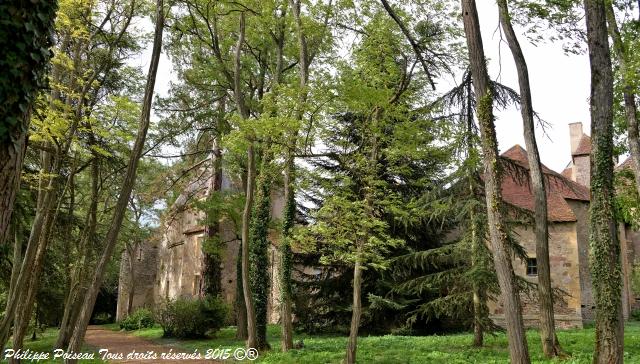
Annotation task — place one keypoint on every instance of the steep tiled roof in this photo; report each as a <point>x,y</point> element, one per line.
<point>584,147</point>
<point>567,172</point>
<point>516,190</point>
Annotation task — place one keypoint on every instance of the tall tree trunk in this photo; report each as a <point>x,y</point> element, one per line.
<point>518,350</point>
<point>352,344</point>
<point>550,344</point>
<point>289,189</point>
<point>604,246</point>
<point>77,338</point>
<point>241,308</point>
<point>251,181</point>
<point>211,273</point>
<point>259,236</point>
<point>630,108</point>
<point>286,255</point>
<point>76,291</point>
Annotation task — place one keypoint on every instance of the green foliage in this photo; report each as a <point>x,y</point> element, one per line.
<point>139,319</point>
<point>25,38</point>
<point>192,318</point>
<point>635,314</point>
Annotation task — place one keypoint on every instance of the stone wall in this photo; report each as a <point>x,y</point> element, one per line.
<point>565,275</point>
<point>144,278</point>
<point>180,262</point>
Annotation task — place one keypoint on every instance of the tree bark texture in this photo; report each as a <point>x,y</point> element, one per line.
<point>518,350</point>
<point>550,345</point>
<point>604,247</point>
<point>352,344</point>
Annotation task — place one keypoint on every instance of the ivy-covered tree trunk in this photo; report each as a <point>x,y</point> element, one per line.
<point>550,344</point>
<point>25,38</point>
<point>259,254</point>
<point>518,350</point>
<point>77,338</point>
<point>286,255</point>
<point>604,247</point>
<point>628,94</point>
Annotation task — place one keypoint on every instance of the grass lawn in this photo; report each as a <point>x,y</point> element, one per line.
<point>44,344</point>
<point>408,349</point>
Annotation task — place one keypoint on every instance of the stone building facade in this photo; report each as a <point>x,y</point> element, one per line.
<point>568,215</point>
<point>173,268</point>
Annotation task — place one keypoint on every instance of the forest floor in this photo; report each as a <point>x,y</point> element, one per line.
<point>449,349</point>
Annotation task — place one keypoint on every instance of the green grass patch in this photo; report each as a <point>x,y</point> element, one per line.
<point>449,349</point>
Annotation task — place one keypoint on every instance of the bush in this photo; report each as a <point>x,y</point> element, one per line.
<point>635,314</point>
<point>192,318</point>
<point>139,319</point>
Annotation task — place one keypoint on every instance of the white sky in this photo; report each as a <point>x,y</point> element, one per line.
<point>559,83</point>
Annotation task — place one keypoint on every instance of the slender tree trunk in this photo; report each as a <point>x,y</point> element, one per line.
<point>260,248</point>
<point>285,255</point>
<point>241,308</point>
<point>212,275</point>
<point>289,189</point>
<point>550,345</point>
<point>479,296</point>
<point>77,338</point>
<point>76,291</point>
<point>17,258</point>
<point>352,344</point>
<point>518,350</point>
<point>630,108</point>
<point>251,181</point>
<point>604,246</point>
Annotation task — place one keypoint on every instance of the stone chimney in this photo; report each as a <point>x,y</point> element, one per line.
<point>575,135</point>
<point>581,167</point>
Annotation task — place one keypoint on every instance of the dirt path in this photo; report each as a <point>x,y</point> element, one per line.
<point>122,348</point>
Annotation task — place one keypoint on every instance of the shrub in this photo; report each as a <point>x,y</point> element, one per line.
<point>635,314</point>
<point>192,318</point>
<point>139,319</point>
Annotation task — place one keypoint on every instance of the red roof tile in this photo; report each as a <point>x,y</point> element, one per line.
<point>567,173</point>
<point>584,147</point>
<point>517,191</point>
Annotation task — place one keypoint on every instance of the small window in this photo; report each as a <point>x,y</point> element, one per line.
<point>532,267</point>
<point>140,254</point>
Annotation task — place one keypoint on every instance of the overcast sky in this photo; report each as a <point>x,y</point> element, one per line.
<point>559,83</point>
